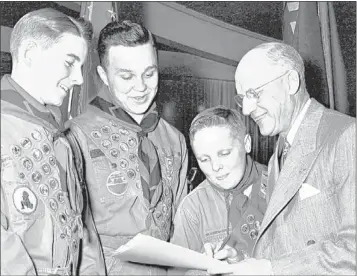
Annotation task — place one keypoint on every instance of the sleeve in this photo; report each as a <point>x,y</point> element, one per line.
<point>92,260</point>
<point>182,188</point>
<point>15,259</point>
<point>335,256</point>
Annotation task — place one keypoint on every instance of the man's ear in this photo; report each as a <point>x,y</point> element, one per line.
<point>293,82</point>
<point>247,143</point>
<point>103,75</point>
<point>29,51</point>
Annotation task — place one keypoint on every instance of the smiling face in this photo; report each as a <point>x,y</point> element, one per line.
<point>132,76</point>
<point>58,68</point>
<point>273,110</point>
<point>221,157</point>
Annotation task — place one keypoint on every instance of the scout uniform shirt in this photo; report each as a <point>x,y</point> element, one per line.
<point>208,214</point>
<point>110,149</point>
<point>41,198</point>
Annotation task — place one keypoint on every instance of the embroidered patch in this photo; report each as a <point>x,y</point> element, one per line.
<point>94,153</point>
<point>25,200</point>
<point>117,183</point>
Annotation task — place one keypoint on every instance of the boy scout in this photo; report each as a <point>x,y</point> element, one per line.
<point>228,206</point>
<point>41,196</point>
<point>135,161</point>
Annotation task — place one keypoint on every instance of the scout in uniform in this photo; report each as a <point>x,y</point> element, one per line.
<point>135,161</point>
<point>228,206</point>
<point>41,195</point>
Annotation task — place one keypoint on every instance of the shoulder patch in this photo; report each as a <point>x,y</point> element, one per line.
<point>25,200</point>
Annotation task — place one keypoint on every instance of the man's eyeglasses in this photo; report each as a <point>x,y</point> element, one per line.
<point>253,93</point>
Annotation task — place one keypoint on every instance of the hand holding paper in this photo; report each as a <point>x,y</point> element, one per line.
<point>148,250</point>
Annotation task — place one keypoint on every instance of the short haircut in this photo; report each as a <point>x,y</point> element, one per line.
<point>47,26</point>
<point>125,33</point>
<point>284,55</point>
<point>219,116</point>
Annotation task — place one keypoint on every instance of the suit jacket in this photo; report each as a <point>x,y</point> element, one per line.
<point>313,235</point>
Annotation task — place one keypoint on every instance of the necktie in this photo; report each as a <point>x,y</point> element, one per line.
<point>285,147</point>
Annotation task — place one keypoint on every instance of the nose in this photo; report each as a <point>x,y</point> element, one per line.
<point>249,105</point>
<point>140,85</point>
<point>77,76</point>
<point>216,166</point>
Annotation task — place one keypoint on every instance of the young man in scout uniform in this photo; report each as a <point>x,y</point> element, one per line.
<point>41,196</point>
<point>135,161</point>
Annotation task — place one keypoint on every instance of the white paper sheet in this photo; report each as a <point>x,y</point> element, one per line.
<point>148,250</point>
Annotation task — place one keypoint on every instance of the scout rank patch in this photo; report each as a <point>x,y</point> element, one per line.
<point>38,166</point>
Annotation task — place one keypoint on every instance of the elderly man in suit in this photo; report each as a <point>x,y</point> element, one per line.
<point>309,225</point>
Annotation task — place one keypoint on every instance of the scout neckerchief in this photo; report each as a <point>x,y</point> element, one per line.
<point>149,164</point>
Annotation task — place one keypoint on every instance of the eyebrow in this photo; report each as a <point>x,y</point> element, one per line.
<point>118,70</point>
<point>74,56</point>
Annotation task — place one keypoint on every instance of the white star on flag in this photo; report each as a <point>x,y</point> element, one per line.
<point>113,14</point>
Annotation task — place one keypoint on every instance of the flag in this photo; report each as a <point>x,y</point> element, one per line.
<point>100,14</point>
<point>310,27</point>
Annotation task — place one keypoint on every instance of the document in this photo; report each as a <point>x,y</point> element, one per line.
<point>149,250</point>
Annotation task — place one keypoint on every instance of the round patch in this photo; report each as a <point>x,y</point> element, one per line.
<point>36,135</point>
<point>123,131</point>
<point>113,165</point>
<point>132,142</point>
<point>44,190</point>
<point>250,219</point>
<point>27,163</point>
<point>37,155</point>
<point>52,161</point>
<point>60,197</point>
<point>106,143</point>
<point>24,200</point>
<point>244,228</point>
<point>16,150</point>
<point>96,134</point>
<point>124,147</point>
<point>114,153</point>
<point>26,143</point>
<point>115,137</point>
<point>117,183</point>
<point>53,183</point>
<point>123,163</point>
<point>132,157</point>
<point>46,169</point>
<point>21,175</point>
<point>53,204</point>
<point>46,148</point>
<point>62,218</point>
<point>253,234</point>
<point>131,174</point>
<point>106,129</point>
<point>257,225</point>
<point>36,177</point>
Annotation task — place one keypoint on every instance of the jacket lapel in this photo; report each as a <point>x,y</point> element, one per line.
<point>297,165</point>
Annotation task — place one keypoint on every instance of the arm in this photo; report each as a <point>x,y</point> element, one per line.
<point>182,188</point>
<point>333,256</point>
<point>92,260</point>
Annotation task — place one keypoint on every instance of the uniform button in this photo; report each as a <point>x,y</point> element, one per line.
<point>310,242</point>
<point>63,235</point>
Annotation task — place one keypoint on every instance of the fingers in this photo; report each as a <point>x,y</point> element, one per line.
<point>209,249</point>
<point>226,253</point>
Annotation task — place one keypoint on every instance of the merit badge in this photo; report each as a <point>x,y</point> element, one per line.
<point>44,190</point>
<point>257,225</point>
<point>46,148</point>
<point>114,153</point>
<point>52,161</point>
<point>244,228</point>
<point>36,135</point>
<point>253,234</point>
<point>60,197</point>
<point>106,129</point>
<point>106,143</point>
<point>16,150</point>
<point>37,155</point>
<point>62,218</point>
<point>124,147</point>
<point>115,137</point>
<point>25,143</point>
<point>250,218</point>
<point>53,204</point>
<point>123,163</point>
<point>36,177</point>
<point>96,134</point>
<point>53,183</point>
<point>27,163</point>
<point>24,200</point>
<point>123,131</point>
<point>132,142</point>
<point>46,169</point>
<point>116,183</point>
<point>132,157</point>
<point>131,174</point>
